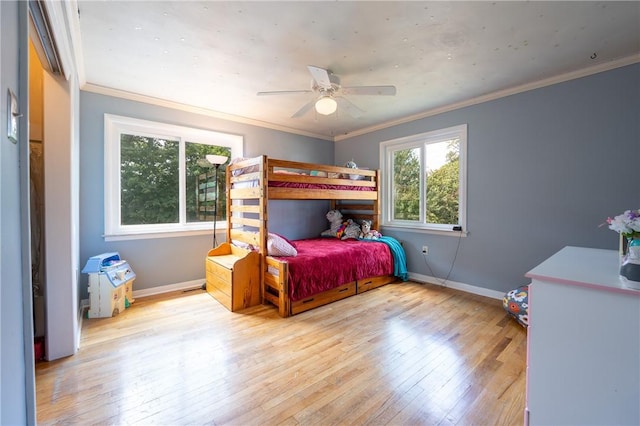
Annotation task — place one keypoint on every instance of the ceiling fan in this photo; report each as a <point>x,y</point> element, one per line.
<point>326,86</point>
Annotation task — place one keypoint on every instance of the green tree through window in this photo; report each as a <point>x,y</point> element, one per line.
<point>201,185</point>
<point>443,188</point>
<point>149,174</point>
<point>425,180</point>
<point>406,184</point>
<point>157,179</point>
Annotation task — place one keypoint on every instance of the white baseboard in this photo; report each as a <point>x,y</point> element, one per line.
<point>481,291</point>
<point>187,285</point>
<point>190,285</point>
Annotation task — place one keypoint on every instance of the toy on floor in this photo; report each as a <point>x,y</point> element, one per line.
<point>366,233</point>
<point>516,303</point>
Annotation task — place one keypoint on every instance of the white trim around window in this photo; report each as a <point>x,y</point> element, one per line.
<point>114,127</point>
<point>420,144</point>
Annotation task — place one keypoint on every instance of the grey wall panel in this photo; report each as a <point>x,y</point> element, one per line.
<point>545,168</point>
<point>166,261</point>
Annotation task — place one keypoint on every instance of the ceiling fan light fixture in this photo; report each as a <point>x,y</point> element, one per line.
<point>326,105</point>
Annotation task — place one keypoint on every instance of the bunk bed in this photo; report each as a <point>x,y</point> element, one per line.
<point>291,283</point>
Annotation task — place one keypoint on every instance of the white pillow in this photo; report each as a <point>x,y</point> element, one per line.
<point>279,246</point>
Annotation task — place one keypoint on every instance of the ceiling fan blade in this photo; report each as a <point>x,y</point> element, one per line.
<point>302,111</point>
<point>321,76</point>
<point>349,107</point>
<point>284,92</point>
<point>369,90</point>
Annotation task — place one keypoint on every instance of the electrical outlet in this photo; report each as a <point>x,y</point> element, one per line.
<point>425,249</point>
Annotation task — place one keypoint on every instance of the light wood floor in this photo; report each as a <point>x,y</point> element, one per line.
<point>401,354</point>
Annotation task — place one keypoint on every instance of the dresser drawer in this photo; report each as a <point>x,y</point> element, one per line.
<point>370,283</point>
<point>328,296</point>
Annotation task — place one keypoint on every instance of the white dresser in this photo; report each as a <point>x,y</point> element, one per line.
<point>583,356</point>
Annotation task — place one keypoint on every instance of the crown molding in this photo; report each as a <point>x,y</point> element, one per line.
<point>101,90</point>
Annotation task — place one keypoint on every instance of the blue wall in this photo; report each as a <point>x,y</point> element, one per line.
<point>545,168</point>
<point>17,387</point>
<point>177,260</point>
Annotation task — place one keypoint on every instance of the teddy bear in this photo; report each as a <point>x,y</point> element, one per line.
<point>366,233</point>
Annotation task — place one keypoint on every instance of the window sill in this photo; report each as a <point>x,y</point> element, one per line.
<point>413,229</point>
<point>147,235</point>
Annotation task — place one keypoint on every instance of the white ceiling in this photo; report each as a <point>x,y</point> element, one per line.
<point>217,55</point>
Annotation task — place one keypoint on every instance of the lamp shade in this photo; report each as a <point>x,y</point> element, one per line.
<point>217,159</point>
<point>326,105</point>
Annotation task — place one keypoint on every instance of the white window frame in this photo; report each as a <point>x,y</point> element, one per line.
<point>420,141</point>
<point>114,127</point>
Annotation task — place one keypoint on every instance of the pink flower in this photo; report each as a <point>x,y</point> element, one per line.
<point>627,223</point>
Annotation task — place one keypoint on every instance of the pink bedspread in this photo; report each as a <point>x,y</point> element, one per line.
<point>326,263</point>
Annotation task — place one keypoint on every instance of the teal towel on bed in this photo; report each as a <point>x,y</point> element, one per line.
<point>399,256</point>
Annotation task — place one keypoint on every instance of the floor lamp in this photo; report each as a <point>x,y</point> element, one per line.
<point>216,161</point>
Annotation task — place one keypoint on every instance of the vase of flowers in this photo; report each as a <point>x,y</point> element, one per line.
<point>627,225</point>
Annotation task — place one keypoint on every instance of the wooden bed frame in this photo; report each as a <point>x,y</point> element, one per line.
<point>248,194</point>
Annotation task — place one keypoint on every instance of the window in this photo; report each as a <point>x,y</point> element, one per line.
<point>157,180</point>
<point>424,184</point>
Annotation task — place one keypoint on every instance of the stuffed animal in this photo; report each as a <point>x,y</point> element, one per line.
<point>366,233</point>
<point>335,219</point>
<point>351,230</point>
<point>339,228</point>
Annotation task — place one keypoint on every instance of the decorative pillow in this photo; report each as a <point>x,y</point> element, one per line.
<point>280,246</point>
<point>516,303</point>
<point>292,243</point>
